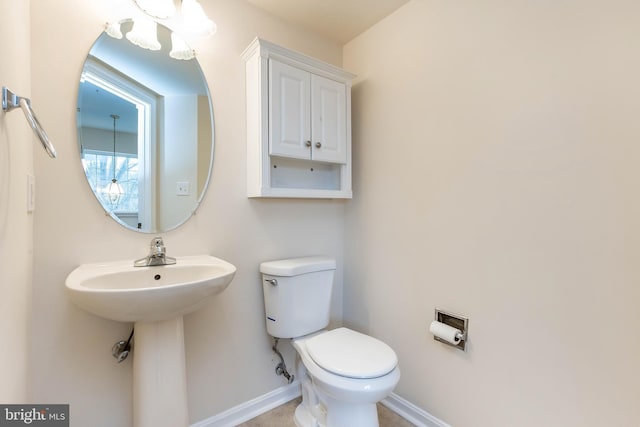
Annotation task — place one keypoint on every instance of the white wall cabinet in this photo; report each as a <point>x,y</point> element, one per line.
<point>308,115</point>
<point>298,125</point>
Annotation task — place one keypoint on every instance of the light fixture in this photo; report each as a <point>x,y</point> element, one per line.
<point>113,29</point>
<point>114,190</point>
<point>196,20</point>
<point>160,9</point>
<point>186,24</point>
<point>144,33</point>
<point>180,49</point>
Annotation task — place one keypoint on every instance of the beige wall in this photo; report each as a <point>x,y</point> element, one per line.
<point>496,148</point>
<point>229,360</point>
<point>16,225</point>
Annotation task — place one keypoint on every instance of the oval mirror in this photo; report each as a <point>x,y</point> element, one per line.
<point>145,132</point>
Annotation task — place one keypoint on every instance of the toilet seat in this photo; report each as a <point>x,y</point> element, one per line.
<point>351,354</point>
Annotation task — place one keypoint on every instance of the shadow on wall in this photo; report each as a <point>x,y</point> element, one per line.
<point>358,315</point>
<point>4,175</point>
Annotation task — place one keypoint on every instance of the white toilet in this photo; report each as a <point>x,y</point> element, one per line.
<point>343,373</point>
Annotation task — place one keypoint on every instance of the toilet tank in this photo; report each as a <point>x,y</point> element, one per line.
<point>297,295</point>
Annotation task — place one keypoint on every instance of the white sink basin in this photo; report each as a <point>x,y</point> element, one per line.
<point>119,291</point>
<point>155,299</point>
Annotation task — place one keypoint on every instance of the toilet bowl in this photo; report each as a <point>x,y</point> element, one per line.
<point>343,373</point>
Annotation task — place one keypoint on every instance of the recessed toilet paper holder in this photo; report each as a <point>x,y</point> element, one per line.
<point>455,321</point>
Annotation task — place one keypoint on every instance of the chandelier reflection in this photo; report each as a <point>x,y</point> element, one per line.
<point>114,190</point>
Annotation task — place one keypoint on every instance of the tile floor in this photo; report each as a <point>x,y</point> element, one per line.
<point>282,416</point>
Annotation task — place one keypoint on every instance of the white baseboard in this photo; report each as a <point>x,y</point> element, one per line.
<point>411,412</point>
<point>261,404</point>
<point>251,409</point>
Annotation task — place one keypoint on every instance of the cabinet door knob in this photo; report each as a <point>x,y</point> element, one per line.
<point>308,143</point>
<point>318,145</point>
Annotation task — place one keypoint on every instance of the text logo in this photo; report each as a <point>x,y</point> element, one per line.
<point>34,415</point>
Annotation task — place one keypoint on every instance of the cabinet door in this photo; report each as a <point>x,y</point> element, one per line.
<point>289,111</point>
<point>328,120</point>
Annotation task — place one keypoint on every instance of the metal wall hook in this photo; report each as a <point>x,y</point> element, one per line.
<point>11,101</point>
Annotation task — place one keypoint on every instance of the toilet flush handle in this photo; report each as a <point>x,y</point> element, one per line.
<point>273,282</point>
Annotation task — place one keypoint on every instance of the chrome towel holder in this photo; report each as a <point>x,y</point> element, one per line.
<point>11,101</point>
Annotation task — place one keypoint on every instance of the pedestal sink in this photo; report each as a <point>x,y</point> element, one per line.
<point>155,299</point>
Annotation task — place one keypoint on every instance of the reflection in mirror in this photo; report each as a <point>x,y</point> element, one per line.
<point>160,148</point>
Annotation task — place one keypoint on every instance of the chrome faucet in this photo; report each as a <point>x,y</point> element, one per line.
<point>157,255</point>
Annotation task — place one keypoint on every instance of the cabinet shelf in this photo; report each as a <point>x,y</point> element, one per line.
<point>298,124</point>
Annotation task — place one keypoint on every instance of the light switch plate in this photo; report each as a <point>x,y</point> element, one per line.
<point>182,188</point>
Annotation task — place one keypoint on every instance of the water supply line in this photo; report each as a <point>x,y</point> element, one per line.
<point>281,369</point>
<point>121,349</point>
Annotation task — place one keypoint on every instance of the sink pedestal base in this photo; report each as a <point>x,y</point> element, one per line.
<point>159,375</point>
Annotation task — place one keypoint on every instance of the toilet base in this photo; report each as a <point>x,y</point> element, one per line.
<point>303,417</point>
<point>347,416</point>
<point>321,410</point>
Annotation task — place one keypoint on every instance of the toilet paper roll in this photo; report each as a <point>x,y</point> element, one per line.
<point>445,332</point>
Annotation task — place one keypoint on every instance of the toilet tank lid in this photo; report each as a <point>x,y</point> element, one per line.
<point>296,266</point>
